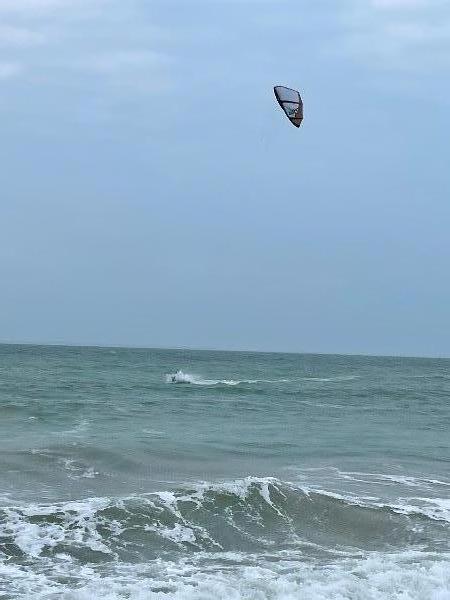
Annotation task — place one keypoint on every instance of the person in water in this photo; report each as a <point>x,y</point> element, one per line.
<point>179,377</point>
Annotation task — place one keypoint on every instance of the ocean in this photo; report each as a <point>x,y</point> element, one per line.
<point>195,475</point>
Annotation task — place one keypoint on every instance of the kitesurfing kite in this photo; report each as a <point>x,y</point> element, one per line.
<point>291,103</point>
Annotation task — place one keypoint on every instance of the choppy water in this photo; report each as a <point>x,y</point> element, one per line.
<point>251,476</point>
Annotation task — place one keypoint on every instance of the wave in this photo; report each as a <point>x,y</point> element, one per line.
<point>415,482</point>
<point>246,514</point>
<point>245,539</point>
<point>366,477</point>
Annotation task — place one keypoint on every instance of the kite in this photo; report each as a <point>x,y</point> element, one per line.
<point>291,103</point>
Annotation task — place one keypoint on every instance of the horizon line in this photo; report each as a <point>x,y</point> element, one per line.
<point>211,349</point>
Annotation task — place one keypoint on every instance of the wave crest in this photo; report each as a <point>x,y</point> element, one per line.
<point>238,515</point>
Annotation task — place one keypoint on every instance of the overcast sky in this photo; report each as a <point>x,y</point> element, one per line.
<point>152,193</point>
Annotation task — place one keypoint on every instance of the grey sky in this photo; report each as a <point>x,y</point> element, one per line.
<point>153,194</point>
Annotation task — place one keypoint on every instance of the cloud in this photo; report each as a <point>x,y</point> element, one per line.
<point>81,35</point>
<point>398,34</point>
<point>128,72</point>
<point>395,4</point>
<point>20,36</point>
<point>29,8</point>
<point>9,70</point>
<point>116,62</point>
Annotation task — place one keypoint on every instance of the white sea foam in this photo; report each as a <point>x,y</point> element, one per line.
<point>29,537</point>
<point>240,488</point>
<point>77,470</point>
<point>154,432</point>
<point>80,428</point>
<point>239,576</point>
<point>337,480</point>
<point>179,534</point>
<point>79,526</point>
<point>408,481</point>
<point>437,509</point>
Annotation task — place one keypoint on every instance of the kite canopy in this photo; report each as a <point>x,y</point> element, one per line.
<point>291,102</point>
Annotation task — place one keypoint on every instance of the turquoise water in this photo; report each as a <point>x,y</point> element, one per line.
<point>252,476</point>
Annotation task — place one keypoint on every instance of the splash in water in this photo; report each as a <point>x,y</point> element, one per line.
<point>179,377</point>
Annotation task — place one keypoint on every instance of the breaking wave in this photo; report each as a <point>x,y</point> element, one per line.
<point>228,516</point>
<point>253,538</point>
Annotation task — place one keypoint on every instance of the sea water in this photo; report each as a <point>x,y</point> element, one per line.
<point>172,474</point>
